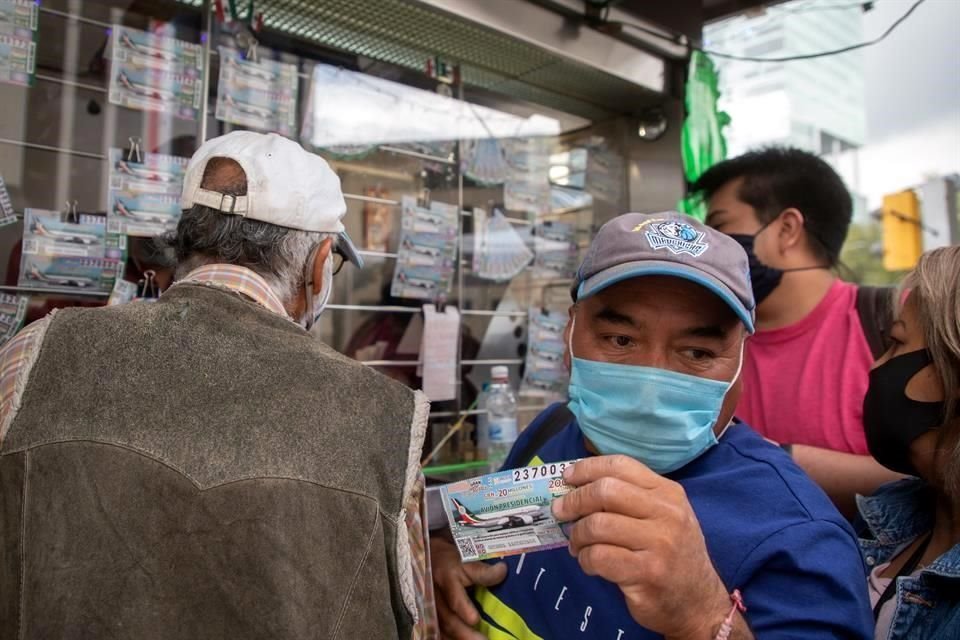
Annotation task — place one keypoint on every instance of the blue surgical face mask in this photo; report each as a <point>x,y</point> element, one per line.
<point>662,418</point>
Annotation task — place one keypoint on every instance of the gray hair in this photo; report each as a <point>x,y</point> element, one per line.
<point>278,254</point>
<point>935,285</point>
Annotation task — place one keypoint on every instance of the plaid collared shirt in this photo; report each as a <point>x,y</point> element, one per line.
<point>16,361</point>
<point>15,358</point>
<point>240,280</point>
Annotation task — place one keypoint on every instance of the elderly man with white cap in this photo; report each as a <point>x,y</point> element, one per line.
<point>685,523</point>
<point>202,467</point>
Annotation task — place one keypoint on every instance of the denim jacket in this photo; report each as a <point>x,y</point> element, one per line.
<point>928,606</point>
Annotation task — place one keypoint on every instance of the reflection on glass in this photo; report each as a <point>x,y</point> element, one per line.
<point>569,168</point>
<point>349,108</point>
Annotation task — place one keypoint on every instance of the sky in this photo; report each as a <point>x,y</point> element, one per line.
<point>913,75</point>
<point>912,86</point>
<point>911,91</point>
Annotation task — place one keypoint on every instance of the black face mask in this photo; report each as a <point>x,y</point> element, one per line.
<point>892,420</point>
<point>763,279</point>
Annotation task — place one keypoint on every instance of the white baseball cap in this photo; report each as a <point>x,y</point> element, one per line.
<point>286,185</point>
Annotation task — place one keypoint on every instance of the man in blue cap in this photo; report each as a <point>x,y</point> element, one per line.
<point>687,524</point>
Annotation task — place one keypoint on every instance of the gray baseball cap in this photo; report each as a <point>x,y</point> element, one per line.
<point>668,244</point>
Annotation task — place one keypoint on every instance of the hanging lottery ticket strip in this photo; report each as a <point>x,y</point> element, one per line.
<point>257,94</point>
<point>527,186</point>
<point>18,41</point>
<point>67,251</point>
<point>7,213</point>
<point>428,250</point>
<point>605,173</point>
<point>152,72</point>
<point>144,193</point>
<point>557,254</point>
<point>545,374</point>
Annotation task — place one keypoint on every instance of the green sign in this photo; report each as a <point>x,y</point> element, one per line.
<point>702,139</point>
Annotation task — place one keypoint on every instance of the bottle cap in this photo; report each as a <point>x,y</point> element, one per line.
<point>500,373</point>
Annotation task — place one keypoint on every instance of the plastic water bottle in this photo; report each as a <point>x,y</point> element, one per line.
<point>483,427</point>
<point>501,417</point>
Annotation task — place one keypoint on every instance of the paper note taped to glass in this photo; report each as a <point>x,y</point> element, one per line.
<point>506,513</point>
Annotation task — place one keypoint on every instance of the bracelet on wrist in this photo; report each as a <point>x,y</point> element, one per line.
<point>726,628</point>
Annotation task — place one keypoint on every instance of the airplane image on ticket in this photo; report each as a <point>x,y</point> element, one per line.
<point>506,513</point>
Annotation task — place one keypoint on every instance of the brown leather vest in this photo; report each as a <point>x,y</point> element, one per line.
<point>202,468</point>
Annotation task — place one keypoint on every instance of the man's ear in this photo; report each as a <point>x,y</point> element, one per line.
<point>322,255</point>
<point>792,232</point>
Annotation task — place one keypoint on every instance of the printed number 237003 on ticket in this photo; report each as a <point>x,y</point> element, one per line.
<point>506,513</point>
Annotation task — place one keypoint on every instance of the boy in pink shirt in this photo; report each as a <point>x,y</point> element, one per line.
<point>806,369</point>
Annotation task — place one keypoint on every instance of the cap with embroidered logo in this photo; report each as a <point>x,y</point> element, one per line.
<point>668,244</point>
<point>286,185</point>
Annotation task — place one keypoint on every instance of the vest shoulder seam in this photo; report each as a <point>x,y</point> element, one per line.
<point>173,467</point>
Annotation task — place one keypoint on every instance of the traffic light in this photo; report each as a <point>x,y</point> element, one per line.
<point>902,231</point>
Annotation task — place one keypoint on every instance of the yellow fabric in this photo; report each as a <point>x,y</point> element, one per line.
<point>504,616</point>
<point>492,633</point>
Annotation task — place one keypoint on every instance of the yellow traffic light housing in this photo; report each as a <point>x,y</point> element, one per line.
<point>902,231</point>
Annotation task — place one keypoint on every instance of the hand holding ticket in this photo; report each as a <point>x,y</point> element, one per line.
<point>506,513</point>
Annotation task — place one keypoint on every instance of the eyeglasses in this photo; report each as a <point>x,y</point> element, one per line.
<point>339,259</point>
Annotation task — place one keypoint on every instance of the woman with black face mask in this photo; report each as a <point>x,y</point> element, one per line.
<point>910,529</point>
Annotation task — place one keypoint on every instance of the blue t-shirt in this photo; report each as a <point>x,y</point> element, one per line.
<point>769,530</point>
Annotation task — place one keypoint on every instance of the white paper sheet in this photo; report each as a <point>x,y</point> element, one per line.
<point>441,339</point>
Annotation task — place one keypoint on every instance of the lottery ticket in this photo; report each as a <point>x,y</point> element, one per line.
<point>557,255</point>
<point>261,95</point>
<point>506,513</point>
<point>157,173</point>
<point>7,213</point>
<point>154,51</point>
<point>155,73</point>
<point>18,59</point>
<point>69,272</point>
<point>19,17</point>
<point>123,292</point>
<point>527,187</point>
<point>428,250</point>
<point>66,252</point>
<point>142,214</point>
<point>144,196</point>
<point>545,374</point>
<point>13,309</point>
<point>18,41</point>
<point>49,233</point>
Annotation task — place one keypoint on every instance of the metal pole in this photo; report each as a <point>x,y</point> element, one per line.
<point>71,16</point>
<point>415,154</point>
<point>352,196</point>
<point>68,101</point>
<point>459,154</point>
<point>47,147</point>
<point>207,24</point>
<point>53,291</point>
<point>70,83</point>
